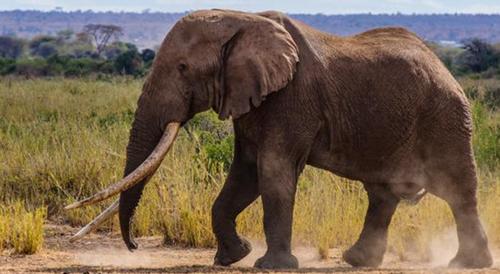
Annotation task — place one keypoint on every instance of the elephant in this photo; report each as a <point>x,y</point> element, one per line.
<point>378,107</point>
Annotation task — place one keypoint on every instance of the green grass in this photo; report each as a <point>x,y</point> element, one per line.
<point>62,140</point>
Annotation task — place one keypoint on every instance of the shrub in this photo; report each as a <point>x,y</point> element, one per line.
<point>214,138</point>
<point>220,152</point>
<point>32,67</point>
<point>7,66</point>
<point>11,47</point>
<point>87,66</point>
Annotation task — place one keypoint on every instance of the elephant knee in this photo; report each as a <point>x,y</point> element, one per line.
<point>278,192</point>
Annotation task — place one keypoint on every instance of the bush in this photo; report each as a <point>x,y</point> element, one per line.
<point>7,66</point>
<point>11,47</point>
<point>214,138</point>
<point>220,151</point>
<point>87,66</point>
<point>80,67</point>
<point>32,67</point>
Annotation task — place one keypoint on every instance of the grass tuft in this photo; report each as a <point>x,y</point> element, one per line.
<point>21,230</point>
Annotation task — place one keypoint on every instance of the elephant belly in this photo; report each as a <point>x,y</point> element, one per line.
<point>335,163</point>
<point>406,180</point>
<point>333,159</point>
<point>401,168</point>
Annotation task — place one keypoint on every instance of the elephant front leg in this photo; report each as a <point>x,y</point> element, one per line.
<point>239,191</point>
<point>370,248</point>
<point>277,185</point>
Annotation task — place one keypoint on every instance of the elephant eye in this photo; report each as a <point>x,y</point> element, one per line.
<point>182,67</point>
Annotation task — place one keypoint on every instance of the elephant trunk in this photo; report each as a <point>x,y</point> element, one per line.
<point>141,143</point>
<point>147,147</point>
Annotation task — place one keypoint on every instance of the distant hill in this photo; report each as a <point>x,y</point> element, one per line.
<point>148,29</point>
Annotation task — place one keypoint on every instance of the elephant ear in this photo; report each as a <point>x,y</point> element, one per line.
<point>259,59</point>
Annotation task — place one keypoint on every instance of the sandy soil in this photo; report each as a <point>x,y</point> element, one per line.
<point>104,253</point>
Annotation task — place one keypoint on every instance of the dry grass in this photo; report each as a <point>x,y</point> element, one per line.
<point>64,139</point>
<point>21,230</point>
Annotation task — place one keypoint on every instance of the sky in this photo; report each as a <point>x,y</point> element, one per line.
<point>290,6</point>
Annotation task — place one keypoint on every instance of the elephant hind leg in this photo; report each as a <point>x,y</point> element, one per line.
<point>473,251</point>
<point>370,248</point>
<point>458,189</point>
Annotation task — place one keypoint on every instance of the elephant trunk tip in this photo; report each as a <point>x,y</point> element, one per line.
<point>131,245</point>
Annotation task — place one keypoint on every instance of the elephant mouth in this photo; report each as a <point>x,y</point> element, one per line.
<point>147,168</point>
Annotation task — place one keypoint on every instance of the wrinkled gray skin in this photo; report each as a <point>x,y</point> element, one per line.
<point>378,107</point>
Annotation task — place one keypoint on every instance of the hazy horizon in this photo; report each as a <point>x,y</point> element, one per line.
<point>305,13</point>
<point>334,7</point>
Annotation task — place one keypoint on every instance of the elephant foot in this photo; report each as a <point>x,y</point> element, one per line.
<point>277,261</point>
<point>481,259</point>
<point>227,255</point>
<point>359,256</point>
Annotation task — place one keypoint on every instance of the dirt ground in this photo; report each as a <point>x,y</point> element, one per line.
<point>104,253</point>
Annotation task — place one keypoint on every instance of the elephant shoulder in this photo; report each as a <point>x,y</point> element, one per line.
<point>273,15</point>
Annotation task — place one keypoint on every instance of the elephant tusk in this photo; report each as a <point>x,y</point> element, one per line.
<point>145,169</point>
<point>106,214</point>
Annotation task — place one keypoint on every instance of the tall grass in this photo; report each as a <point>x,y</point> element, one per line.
<point>61,140</point>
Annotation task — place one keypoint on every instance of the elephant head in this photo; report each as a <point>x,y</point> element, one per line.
<point>224,60</point>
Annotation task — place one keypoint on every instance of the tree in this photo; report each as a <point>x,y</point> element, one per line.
<point>46,50</point>
<point>64,35</point>
<point>116,48</point>
<point>83,38</point>
<point>129,62</point>
<point>43,46</point>
<point>101,34</point>
<point>11,47</point>
<point>478,55</point>
<point>147,55</point>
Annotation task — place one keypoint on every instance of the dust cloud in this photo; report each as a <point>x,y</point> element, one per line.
<point>443,247</point>
<point>119,257</point>
<point>163,257</point>
<point>307,256</point>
